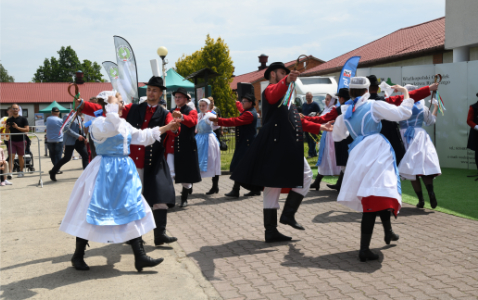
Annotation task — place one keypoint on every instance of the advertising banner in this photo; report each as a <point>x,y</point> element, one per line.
<point>113,73</point>
<point>128,77</point>
<point>40,122</point>
<point>348,71</point>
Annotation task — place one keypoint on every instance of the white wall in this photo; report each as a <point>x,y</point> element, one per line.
<point>461,23</point>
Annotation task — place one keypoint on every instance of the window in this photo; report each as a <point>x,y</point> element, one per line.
<point>321,80</point>
<point>25,112</point>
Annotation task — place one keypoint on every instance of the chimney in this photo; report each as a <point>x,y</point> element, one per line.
<point>79,77</point>
<point>263,60</point>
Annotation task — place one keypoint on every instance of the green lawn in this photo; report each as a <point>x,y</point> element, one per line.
<point>457,194</point>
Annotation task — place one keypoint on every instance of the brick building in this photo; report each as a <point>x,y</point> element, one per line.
<point>256,77</point>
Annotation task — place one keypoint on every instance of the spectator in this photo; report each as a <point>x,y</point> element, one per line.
<point>17,124</point>
<point>6,138</point>
<point>310,108</point>
<point>3,164</point>
<point>74,139</point>
<point>54,136</point>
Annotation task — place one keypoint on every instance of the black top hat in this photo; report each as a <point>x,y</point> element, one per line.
<point>55,109</point>
<point>373,80</point>
<point>183,91</point>
<point>344,93</point>
<point>250,97</point>
<point>156,81</point>
<point>273,67</point>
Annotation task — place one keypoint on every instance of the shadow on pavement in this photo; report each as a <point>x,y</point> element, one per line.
<point>23,289</point>
<point>345,261</point>
<point>206,254</point>
<point>334,216</point>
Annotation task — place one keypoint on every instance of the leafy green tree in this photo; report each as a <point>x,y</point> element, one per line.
<point>65,67</point>
<point>4,77</point>
<point>215,55</point>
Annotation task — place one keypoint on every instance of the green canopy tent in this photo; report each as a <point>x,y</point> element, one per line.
<point>54,104</point>
<point>173,82</point>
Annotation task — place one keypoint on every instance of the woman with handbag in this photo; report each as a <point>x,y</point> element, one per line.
<point>209,154</point>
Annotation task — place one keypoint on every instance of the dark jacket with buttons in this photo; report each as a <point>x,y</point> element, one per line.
<point>245,135</point>
<point>186,162</point>
<point>276,157</point>
<point>157,184</point>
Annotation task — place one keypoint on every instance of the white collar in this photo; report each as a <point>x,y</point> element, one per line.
<point>152,105</point>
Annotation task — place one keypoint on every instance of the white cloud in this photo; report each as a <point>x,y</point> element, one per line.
<point>34,30</point>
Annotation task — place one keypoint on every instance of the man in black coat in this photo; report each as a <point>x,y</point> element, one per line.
<point>275,160</point>
<point>184,163</point>
<point>246,132</point>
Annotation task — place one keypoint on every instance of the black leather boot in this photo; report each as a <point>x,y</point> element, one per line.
<point>431,194</point>
<point>421,201</point>
<point>77,260</point>
<point>338,185</point>
<point>184,197</point>
<point>270,224</point>
<point>291,206</point>
<point>52,175</point>
<point>215,186</point>
<point>316,184</point>
<point>365,253</point>
<point>387,227</point>
<point>141,260</point>
<point>252,194</point>
<point>235,191</point>
<point>161,219</point>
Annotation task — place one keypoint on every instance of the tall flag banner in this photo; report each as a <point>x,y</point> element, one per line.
<point>128,76</point>
<point>348,71</point>
<point>113,73</point>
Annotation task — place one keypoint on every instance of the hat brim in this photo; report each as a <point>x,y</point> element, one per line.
<point>187,96</point>
<point>267,73</point>
<point>162,87</point>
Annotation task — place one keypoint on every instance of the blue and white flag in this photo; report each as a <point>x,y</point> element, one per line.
<point>348,71</point>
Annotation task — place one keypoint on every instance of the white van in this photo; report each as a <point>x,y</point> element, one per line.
<point>319,86</point>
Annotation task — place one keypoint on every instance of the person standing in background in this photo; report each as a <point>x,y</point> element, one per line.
<point>310,108</point>
<point>17,124</point>
<point>54,136</point>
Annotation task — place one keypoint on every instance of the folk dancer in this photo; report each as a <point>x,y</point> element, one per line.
<point>106,204</point>
<point>371,176</point>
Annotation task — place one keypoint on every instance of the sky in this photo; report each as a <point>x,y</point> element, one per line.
<point>34,30</point>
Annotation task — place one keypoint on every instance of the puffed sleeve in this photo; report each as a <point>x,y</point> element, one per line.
<point>144,137</point>
<point>428,117</point>
<point>381,110</point>
<point>340,131</point>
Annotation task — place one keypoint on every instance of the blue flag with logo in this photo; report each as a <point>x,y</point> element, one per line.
<point>348,71</point>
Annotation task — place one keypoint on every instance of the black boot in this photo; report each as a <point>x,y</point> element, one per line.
<point>365,253</point>
<point>215,186</point>
<point>141,260</point>
<point>291,206</point>
<point>52,175</point>
<point>252,194</point>
<point>77,260</point>
<point>316,184</point>
<point>161,219</point>
<point>235,191</point>
<point>338,185</point>
<point>421,201</point>
<point>387,227</point>
<point>190,190</point>
<point>184,197</point>
<point>270,224</point>
<point>431,195</point>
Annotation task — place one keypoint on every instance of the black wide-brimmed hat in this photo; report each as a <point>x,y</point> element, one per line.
<point>183,91</point>
<point>55,109</point>
<point>274,66</point>
<point>344,93</point>
<point>250,97</point>
<point>156,81</point>
<point>373,80</point>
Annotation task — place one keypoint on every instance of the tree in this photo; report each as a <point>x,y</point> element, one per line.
<point>4,77</point>
<point>65,68</point>
<point>215,55</point>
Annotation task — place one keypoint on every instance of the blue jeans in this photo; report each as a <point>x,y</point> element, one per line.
<point>311,143</point>
<point>56,149</point>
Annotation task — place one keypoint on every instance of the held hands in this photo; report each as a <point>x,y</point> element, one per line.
<point>214,120</point>
<point>301,116</point>
<point>328,126</point>
<point>292,76</point>
<point>173,125</point>
<point>177,115</point>
<point>398,88</point>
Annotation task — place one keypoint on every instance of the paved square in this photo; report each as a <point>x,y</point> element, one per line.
<point>435,258</point>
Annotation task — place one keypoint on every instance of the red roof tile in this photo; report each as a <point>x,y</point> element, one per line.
<point>409,41</point>
<point>258,75</point>
<point>47,92</point>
